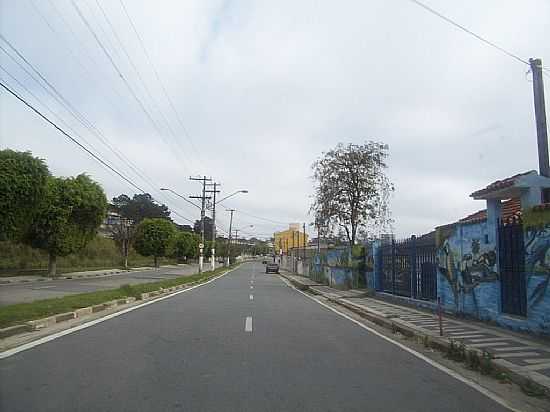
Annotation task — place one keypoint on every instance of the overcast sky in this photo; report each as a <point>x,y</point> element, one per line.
<point>264,87</point>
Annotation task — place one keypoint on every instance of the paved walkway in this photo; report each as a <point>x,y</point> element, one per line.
<point>525,356</point>
<point>528,357</point>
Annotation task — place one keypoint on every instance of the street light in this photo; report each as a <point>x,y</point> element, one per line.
<point>232,194</point>
<point>214,223</point>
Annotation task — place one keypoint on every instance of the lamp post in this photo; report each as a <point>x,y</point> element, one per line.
<point>214,203</point>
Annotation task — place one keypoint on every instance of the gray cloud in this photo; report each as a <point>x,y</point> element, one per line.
<point>265,87</point>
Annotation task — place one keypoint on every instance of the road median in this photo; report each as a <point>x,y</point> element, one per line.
<point>27,317</point>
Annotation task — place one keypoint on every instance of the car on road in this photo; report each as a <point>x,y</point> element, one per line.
<point>272,268</point>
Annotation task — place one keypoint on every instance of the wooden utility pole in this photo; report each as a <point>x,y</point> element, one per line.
<point>214,191</point>
<point>540,119</point>
<point>203,198</point>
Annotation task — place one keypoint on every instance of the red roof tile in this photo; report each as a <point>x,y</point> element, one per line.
<point>499,184</point>
<point>511,208</point>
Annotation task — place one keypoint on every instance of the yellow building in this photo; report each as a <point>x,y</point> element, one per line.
<point>291,238</point>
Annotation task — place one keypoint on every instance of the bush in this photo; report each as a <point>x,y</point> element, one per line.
<point>100,253</point>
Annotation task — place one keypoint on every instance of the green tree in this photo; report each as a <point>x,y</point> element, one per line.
<point>68,218</point>
<point>22,185</point>
<point>186,245</point>
<point>352,189</point>
<point>141,206</point>
<point>155,237</point>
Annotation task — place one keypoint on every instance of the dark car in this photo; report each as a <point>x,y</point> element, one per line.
<point>272,268</point>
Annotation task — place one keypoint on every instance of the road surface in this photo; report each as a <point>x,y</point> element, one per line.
<point>27,292</point>
<point>244,342</point>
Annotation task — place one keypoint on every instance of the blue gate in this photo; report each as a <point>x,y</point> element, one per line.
<point>408,267</point>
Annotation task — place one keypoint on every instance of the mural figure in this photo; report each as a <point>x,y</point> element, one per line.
<point>465,272</point>
<point>537,261</point>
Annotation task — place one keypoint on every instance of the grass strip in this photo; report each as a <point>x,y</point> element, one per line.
<point>22,312</point>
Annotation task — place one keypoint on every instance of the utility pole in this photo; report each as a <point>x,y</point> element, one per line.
<point>540,119</point>
<point>213,221</point>
<point>229,240</point>
<point>125,234</point>
<point>203,198</point>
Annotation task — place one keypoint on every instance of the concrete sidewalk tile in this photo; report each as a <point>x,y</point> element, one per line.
<point>513,348</point>
<point>538,367</point>
<point>517,354</point>
<point>488,344</point>
<point>536,361</point>
<point>464,337</point>
<point>495,339</point>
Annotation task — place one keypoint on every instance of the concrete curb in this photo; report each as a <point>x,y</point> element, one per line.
<point>397,325</point>
<point>83,275</point>
<point>38,324</point>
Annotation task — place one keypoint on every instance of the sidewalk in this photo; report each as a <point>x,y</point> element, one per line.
<point>522,356</point>
<point>79,275</point>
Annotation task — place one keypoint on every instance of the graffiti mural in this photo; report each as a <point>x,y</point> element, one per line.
<point>465,271</point>
<point>537,263</point>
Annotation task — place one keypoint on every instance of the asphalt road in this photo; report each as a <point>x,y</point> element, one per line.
<point>27,292</point>
<point>215,349</point>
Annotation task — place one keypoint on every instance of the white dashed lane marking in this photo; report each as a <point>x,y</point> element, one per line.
<point>248,324</point>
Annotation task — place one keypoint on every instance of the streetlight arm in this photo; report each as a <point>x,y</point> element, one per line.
<point>232,194</point>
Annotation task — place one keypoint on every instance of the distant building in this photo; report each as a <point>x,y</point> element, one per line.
<point>289,239</point>
<point>185,228</point>
<point>111,220</point>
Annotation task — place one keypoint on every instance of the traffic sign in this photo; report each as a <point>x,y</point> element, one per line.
<point>201,246</point>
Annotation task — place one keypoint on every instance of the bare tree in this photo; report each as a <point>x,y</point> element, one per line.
<point>352,190</point>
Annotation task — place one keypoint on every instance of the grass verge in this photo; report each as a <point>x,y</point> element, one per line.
<point>22,312</point>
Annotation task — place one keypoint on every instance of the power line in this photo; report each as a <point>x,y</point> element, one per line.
<point>79,145</point>
<point>262,218</point>
<point>471,33</point>
<point>67,105</point>
<point>117,70</point>
<point>93,129</point>
<point>142,81</point>
<point>73,111</point>
<point>165,92</point>
<point>71,138</point>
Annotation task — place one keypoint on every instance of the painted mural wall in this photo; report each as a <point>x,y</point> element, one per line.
<point>335,268</point>
<point>537,269</point>
<point>468,276</point>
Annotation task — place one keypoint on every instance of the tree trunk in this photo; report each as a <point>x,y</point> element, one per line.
<point>52,265</point>
<point>156,262</point>
<point>126,250</point>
